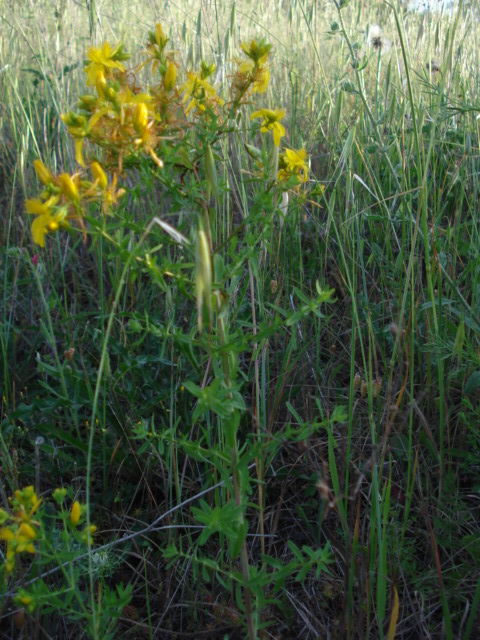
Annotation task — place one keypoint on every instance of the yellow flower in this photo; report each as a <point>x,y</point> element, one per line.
<point>86,536</point>
<point>140,117</point>
<point>28,531</point>
<point>256,51</point>
<point>102,59</point>
<point>59,495</point>
<point>170,76</point>
<point>259,76</point>
<point>41,226</point>
<point>200,91</point>
<point>160,36</point>
<point>75,513</point>
<point>6,534</point>
<point>112,195</point>
<point>99,175</point>
<point>68,186</point>
<point>262,79</point>
<point>43,173</point>
<point>293,163</point>
<point>271,121</point>
<point>22,528</point>
<point>47,220</point>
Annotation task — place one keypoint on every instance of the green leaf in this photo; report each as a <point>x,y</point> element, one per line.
<point>473,383</point>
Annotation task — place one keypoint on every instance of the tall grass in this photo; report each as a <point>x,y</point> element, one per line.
<point>361,426</point>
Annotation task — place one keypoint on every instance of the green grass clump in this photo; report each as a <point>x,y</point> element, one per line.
<point>255,372</point>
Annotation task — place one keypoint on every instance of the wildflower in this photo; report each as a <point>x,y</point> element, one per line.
<point>86,536</point>
<point>42,172</point>
<point>160,36</point>
<point>140,117</point>
<point>99,175</point>
<point>25,599</point>
<point>21,529</point>
<point>376,39</point>
<point>256,76</point>
<point>258,52</point>
<point>28,531</point>
<point>252,73</point>
<point>261,80</point>
<point>170,76</point>
<point>59,495</point>
<point>112,195</point>
<point>293,163</point>
<point>68,186</point>
<point>103,59</point>
<point>271,121</point>
<point>79,152</point>
<point>75,513</point>
<point>49,218</point>
<point>200,92</point>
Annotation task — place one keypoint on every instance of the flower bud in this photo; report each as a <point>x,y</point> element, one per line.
<point>170,76</point>
<point>43,173</point>
<point>75,513</point>
<point>68,186</point>
<point>160,36</point>
<point>140,117</point>
<point>28,531</point>
<point>79,152</point>
<point>99,175</point>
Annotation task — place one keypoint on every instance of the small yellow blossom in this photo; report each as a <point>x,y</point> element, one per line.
<point>28,531</point>
<point>43,173</point>
<point>140,117</point>
<point>68,186</point>
<point>160,36</point>
<point>6,534</point>
<point>258,52</point>
<point>22,529</point>
<point>257,76</point>
<point>59,495</point>
<point>99,175</point>
<point>271,121</point>
<point>101,59</point>
<point>200,92</point>
<point>75,513</point>
<point>260,84</point>
<point>86,536</point>
<point>48,219</point>
<point>293,163</point>
<point>170,76</point>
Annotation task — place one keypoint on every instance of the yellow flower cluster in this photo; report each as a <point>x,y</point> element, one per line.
<point>293,163</point>
<point>271,122</point>
<point>199,93</point>
<point>76,515</point>
<point>22,526</point>
<point>253,74</point>
<point>126,122</point>
<point>19,528</point>
<point>63,197</point>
